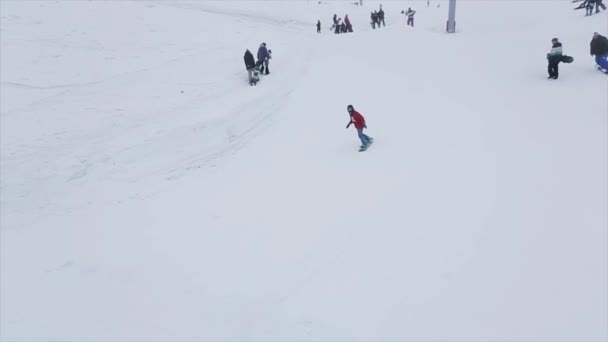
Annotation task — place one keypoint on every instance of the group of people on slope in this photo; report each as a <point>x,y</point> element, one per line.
<point>338,25</point>
<point>589,4</point>
<point>598,48</point>
<point>376,20</point>
<point>254,69</point>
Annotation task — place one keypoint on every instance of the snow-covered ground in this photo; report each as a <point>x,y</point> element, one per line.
<point>148,192</point>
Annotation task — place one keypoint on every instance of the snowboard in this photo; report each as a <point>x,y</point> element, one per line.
<point>364,148</point>
<point>567,59</point>
<point>255,76</point>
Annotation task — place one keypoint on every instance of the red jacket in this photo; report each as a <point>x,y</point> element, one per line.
<point>358,120</point>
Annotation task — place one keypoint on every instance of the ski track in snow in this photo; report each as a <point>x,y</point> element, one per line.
<point>236,135</point>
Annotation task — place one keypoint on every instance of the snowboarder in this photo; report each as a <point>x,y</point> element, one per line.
<point>264,58</point>
<point>554,57</point>
<point>318,26</point>
<point>599,49</point>
<point>250,66</point>
<point>359,121</point>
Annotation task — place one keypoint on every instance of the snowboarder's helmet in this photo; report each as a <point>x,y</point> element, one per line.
<point>554,40</point>
<point>350,108</point>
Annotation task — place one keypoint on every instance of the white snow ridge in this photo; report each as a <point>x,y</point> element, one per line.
<point>149,193</point>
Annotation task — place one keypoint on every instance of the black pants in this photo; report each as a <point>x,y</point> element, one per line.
<point>553,69</point>
<point>410,21</point>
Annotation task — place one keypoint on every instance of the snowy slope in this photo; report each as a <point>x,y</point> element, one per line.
<point>148,193</point>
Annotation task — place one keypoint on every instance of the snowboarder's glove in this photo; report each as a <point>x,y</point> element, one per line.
<point>365,126</point>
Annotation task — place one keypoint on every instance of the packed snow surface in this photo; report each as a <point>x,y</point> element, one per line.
<point>149,193</point>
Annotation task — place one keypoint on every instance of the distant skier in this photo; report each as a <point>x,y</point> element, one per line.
<point>335,21</point>
<point>250,66</point>
<point>338,26</point>
<point>381,17</point>
<point>348,26</point>
<point>554,57</point>
<point>359,121</point>
<point>374,19</point>
<point>264,58</point>
<point>410,16</point>
<point>599,49</point>
<point>318,26</point>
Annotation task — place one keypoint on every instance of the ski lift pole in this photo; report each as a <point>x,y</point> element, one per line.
<point>451,24</point>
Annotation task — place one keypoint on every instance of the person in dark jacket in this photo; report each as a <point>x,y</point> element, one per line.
<point>318,26</point>
<point>554,57</point>
<point>249,64</point>
<point>264,58</point>
<point>410,16</point>
<point>599,49</point>
<point>381,17</point>
<point>359,121</point>
<point>374,19</point>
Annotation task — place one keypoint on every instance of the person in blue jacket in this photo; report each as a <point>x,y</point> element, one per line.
<point>599,49</point>
<point>264,58</point>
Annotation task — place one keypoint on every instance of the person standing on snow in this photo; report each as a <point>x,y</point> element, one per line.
<point>374,18</point>
<point>599,48</point>
<point>590,4</point>
<point>349,27</point>
<point>554,57</point>
<point>249,65</point>
<point>263,58</point>
<point>318,26</point>
<point>335,20</point>
<point>359,121</point>
<point>410,16</point>
<point>381,17</point>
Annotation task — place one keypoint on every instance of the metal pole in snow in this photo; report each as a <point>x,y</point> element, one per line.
<point>451,24</point>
